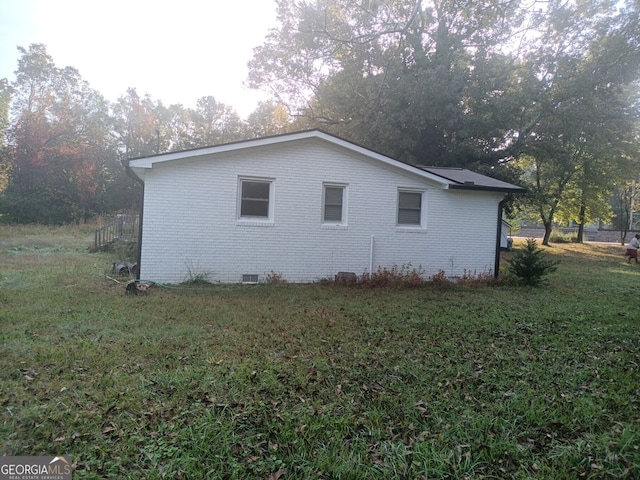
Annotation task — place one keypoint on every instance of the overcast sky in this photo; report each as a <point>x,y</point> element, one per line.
<point>176,51</point>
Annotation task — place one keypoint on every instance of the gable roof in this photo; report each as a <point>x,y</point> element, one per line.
<point>453,178</point>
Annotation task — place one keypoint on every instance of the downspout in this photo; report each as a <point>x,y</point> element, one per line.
<point>131,174</point>
<point>371,257</point>
<point>496,267</point>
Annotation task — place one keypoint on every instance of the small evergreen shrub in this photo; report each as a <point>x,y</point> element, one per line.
<point>530,264</point>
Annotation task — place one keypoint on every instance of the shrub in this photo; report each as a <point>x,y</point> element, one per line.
<point>195,276</point>
<point>440,278</point>
<point>275,278</point>
<point>414,278</point>
<point>529,265</point>
<point>559,237</point>
<point>125,250</point>
<point>197,279</point>
<point>394,276</point>
<point>473,279</point>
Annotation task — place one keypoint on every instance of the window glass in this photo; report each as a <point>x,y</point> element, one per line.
<point>333,199</point>
<point>255,199</point>
<point>409,208</point>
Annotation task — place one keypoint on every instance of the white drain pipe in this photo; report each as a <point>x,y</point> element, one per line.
<point>371,258</point>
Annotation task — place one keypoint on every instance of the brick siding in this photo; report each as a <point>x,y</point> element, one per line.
<point>191,223</point>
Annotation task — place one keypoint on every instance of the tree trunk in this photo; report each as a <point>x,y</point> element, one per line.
<point>547,233</point>
<point>581,224</point>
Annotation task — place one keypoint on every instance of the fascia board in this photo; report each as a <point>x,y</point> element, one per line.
<point>149,162</point>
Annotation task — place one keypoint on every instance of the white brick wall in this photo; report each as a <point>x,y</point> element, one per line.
<point>191,227</point>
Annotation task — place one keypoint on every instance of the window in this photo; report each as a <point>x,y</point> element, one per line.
<point>333,205</point>
<point>250,278</point>
<point>410,208</point>
<point>255,198</point>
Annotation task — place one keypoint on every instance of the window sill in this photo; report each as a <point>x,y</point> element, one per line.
<point>410,229</point>
<point>334,226</point>
<point>246,222</point>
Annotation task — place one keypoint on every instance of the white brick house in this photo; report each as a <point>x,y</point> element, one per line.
<point>306,206</point>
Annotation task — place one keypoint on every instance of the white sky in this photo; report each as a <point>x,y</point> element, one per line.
<point>176,51</point>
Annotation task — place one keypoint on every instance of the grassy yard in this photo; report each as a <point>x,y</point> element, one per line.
<point>318,381</point>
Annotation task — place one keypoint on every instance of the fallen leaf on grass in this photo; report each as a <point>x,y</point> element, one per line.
<point>109,429</point>
<point>29,374</point>
<point>421,407</point>
<point>374,387</point>
<point>278,474</point>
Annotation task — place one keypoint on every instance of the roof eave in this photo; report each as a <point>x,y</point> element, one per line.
<point>150,161</point>
<point>486,188</point>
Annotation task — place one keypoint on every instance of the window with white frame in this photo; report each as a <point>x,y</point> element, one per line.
<point>409,208</point>
<point>255,199</point>
<point>334,204</point>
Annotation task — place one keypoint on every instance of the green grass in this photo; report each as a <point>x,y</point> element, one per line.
<point>317,381</point>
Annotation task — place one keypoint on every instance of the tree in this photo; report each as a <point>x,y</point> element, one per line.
<point>581,121</point>
<point>5,162</point>
<point>588,197</point>
<point>136,127</point>
<point>175,128</point>
<point>143,126</point>
<point>269,118</point>
<point>214,123</point>
<point>530,264</point>
<point>585,202</point>
<point>420,82</point>
<point>56,141</point>
<point>625,198</point>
